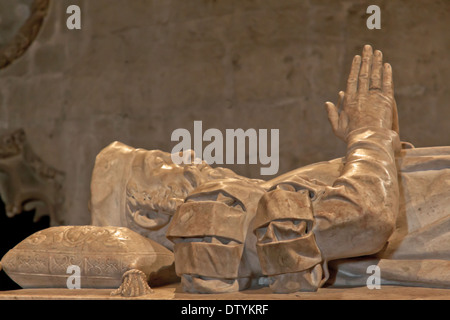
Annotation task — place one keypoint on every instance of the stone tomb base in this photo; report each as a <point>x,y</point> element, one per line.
<point>173,292</point>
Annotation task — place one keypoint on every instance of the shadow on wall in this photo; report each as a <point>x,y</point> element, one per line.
<point>30,192</point>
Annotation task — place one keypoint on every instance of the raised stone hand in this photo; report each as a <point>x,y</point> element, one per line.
<point>369,98</point>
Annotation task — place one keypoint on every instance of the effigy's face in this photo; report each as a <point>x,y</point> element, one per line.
<point>156,188</point>
<point>214,246</point>
<point>286,243</point>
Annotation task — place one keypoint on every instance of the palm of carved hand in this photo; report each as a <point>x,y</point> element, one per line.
<point>369,97</point>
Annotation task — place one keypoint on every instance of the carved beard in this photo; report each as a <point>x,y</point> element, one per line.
<point>151,201</point>
<point>153,194</point>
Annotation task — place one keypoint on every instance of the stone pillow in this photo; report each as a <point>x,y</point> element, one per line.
<point>103,255</point>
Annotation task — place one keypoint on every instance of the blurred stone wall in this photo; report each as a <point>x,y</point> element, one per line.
<point>139,69</point>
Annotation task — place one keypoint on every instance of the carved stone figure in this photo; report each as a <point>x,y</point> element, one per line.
<point>321,224</point>
<point>141,189</point>
<point>301,225</point>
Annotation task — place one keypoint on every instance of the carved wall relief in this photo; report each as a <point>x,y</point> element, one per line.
<point>20,22</point>
<point>26,182</point>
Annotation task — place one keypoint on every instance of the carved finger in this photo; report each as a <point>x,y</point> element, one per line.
<point>343,125</point>
<point>366,66</point>
<point>388,84</point>
<point>377,70</point>
<point>341,97</point>
<point>352,82</point>
<point>395,123</point>
<point>333,116</point>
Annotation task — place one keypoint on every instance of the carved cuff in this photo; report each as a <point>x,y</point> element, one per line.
<point>208,259</point>
<point>284,224</point>
<point>289,256</point>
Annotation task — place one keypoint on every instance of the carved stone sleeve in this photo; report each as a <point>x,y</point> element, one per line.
<point>357,214</point>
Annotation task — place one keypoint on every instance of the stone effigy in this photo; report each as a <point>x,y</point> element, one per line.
<point>141,189</point>
<point>385,204</point>
<point>318,225</point>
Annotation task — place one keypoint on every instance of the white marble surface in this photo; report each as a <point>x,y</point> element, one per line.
<point>172,292</point>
